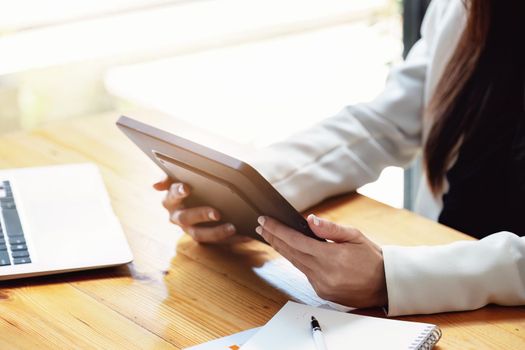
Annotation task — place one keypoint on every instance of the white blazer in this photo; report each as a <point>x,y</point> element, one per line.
<point>350,149</point>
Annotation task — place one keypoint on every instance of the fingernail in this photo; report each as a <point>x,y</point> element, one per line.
<point>315,219</point>
<point>259,229</point>
<point>261,220</point>
<point>213,216</point>
<point>181,190</point>
<point>230,228</point>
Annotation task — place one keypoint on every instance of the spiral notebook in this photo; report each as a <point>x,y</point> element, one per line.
<point>290,329</point>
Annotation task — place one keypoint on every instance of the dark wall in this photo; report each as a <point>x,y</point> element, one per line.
<point>413,12</point>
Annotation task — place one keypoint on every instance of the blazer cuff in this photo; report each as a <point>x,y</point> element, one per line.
<point>463,275</point>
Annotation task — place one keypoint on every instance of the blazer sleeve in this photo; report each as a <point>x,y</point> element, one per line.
<point>463,275</point>
<point>351,148</point>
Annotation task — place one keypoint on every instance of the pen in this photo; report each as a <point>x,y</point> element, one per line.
<point>317,334</point>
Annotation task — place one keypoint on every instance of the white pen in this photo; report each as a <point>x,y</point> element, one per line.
<point>317,334</point>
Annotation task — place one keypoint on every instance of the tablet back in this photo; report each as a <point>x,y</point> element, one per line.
<point>231,186</point>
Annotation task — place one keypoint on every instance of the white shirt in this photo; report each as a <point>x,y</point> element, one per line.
<point>351,149</point>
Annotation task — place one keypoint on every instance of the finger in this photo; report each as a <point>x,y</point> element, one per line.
<point>176,194</point>
<point>290,236</point>
<point>236,238</point>
<point>303,261</point>
<point>334,232</point>
<point>193,216</point>
<point>163,185</point>
<point>214,234</point>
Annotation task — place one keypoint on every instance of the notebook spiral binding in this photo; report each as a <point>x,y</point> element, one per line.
<point>431,339</point>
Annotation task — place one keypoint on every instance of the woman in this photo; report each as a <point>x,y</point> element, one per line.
<point>460,97</point>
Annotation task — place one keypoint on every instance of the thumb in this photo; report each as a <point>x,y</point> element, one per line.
<point>334,232</point>
<point>163,185</point>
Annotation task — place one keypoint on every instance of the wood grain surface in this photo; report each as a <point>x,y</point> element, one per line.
<point>178,293</point>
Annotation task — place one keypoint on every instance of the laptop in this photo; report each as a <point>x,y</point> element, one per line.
<point>57,219</point>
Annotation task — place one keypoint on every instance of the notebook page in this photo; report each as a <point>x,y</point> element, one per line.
<point>290,329</point>
<point>231,342</point>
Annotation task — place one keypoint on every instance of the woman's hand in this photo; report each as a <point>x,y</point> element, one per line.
<point>349,270</point>
<point>187,218</point>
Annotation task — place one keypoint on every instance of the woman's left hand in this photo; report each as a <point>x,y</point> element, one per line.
<point>349,270</point>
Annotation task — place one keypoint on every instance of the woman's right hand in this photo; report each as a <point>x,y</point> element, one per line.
<point>187,218</point>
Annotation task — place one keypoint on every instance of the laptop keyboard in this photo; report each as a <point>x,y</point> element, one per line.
<point>13,248</point>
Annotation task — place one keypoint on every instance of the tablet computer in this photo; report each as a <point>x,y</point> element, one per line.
<point>231,186</point>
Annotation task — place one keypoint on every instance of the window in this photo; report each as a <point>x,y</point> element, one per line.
<point>253,71</point>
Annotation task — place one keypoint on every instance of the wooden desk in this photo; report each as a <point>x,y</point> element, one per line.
<point>178,293</point>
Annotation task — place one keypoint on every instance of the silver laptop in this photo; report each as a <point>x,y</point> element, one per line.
<point>57,219</point>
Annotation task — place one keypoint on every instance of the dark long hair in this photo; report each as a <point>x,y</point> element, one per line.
<point>460,98</point>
